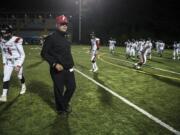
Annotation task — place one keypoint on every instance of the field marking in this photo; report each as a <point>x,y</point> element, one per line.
<point>124,53</point>
<point>148,66</point>
<point>174,78</point>
<point>35,48</point>
<point>144,112</point>
<point>152,56</point>
<point>154,51</point>
<point>140,71</point>
<point>165,70</point>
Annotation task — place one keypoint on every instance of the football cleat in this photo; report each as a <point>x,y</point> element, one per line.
<point>135,65</point>
<point>138,67</point>
<point>23,89</point>
<point>3,99</point>
<point>95,70</point>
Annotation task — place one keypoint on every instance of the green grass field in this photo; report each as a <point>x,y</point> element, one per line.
<point>155,89</point>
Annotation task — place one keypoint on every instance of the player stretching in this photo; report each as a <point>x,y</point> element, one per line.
<point>143,55</point>
<point>112,45</point>
<point>95,42</point>
<point>13,58</point>
<point>176,51</point>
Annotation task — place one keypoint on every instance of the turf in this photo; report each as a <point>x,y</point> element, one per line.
<point>95,111</point>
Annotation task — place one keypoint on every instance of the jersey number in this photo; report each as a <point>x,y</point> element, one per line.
<point>9,51</point>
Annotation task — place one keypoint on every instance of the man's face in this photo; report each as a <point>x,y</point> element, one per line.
<point>62,27</point>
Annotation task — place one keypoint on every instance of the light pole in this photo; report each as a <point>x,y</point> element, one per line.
<point>80,18</point>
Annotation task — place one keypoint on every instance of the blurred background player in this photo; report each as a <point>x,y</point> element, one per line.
<point>95,43</point>
<point>133,49</point>
<point>176,50</point>
<point>13,58</point>
<point>160,45</point>
<point>150,49</point>
<point>139,47</point>
<point>128,47</point>
<point>112,43</point>
<point>143,55</point>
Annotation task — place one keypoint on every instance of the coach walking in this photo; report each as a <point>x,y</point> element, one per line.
<point>57,52</point>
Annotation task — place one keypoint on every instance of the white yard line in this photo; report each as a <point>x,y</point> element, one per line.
<point>153,56</point>
<point>35,48</point>
<point>155,119</point>
<point>102,54</point>
<point>148,66</point>
<point>165,70</point>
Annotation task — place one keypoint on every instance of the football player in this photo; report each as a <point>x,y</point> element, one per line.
<point>143,56</point>
<point>13,58</point>
<point>160,45</point>
<point>112,45</point>
<point>133,49</point>
<point>140,47</point>
<point>95,43</point>
<point>128,47</point>
<point>150,49</point>
<point>176,50</point>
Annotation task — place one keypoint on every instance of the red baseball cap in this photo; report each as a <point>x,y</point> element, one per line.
<point>61,20</point>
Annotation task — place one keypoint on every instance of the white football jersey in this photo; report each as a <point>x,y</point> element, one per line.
<point>141,44</point>
<point>127,43</point>
<point>95,43</point>
<point>161,45</point>
<point>112,42</point>
<point>133,45</point>
<point>12,49</point>
<point>147,47</point>
<point>177,46</point>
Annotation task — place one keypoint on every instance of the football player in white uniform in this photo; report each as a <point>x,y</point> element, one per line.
<point>160,47</point>
<point>133,49</point>
<point>143,56</point>
<point>112,45</point>
<point>13,58</point>
<point>150,49</point>
<point>140,47</point>
<point>95,42</point>
<point>176,51</point>
<point>128,48</point>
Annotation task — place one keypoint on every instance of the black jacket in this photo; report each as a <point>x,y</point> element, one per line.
<point>57,49</point>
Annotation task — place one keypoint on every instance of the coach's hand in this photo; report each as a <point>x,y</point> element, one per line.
<point>59,67</point>
<point>17,68</point>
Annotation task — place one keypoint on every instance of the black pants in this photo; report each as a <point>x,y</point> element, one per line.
<point>63,79</point>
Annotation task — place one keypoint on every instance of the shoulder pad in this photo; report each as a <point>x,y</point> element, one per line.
<point>16,39</point>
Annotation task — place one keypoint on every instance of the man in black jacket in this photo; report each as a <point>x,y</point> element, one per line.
<point>57,52</point>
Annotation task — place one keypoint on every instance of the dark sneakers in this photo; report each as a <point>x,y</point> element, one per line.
<point>65,112</point>
<point>62,113</point>
<point>68,109</point>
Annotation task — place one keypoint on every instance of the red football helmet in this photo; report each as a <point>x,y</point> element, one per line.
<point>61,20</point>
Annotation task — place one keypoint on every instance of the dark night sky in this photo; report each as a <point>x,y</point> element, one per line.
<point>153,15</point>
<point>119,9</point>
<point>124,7</point>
